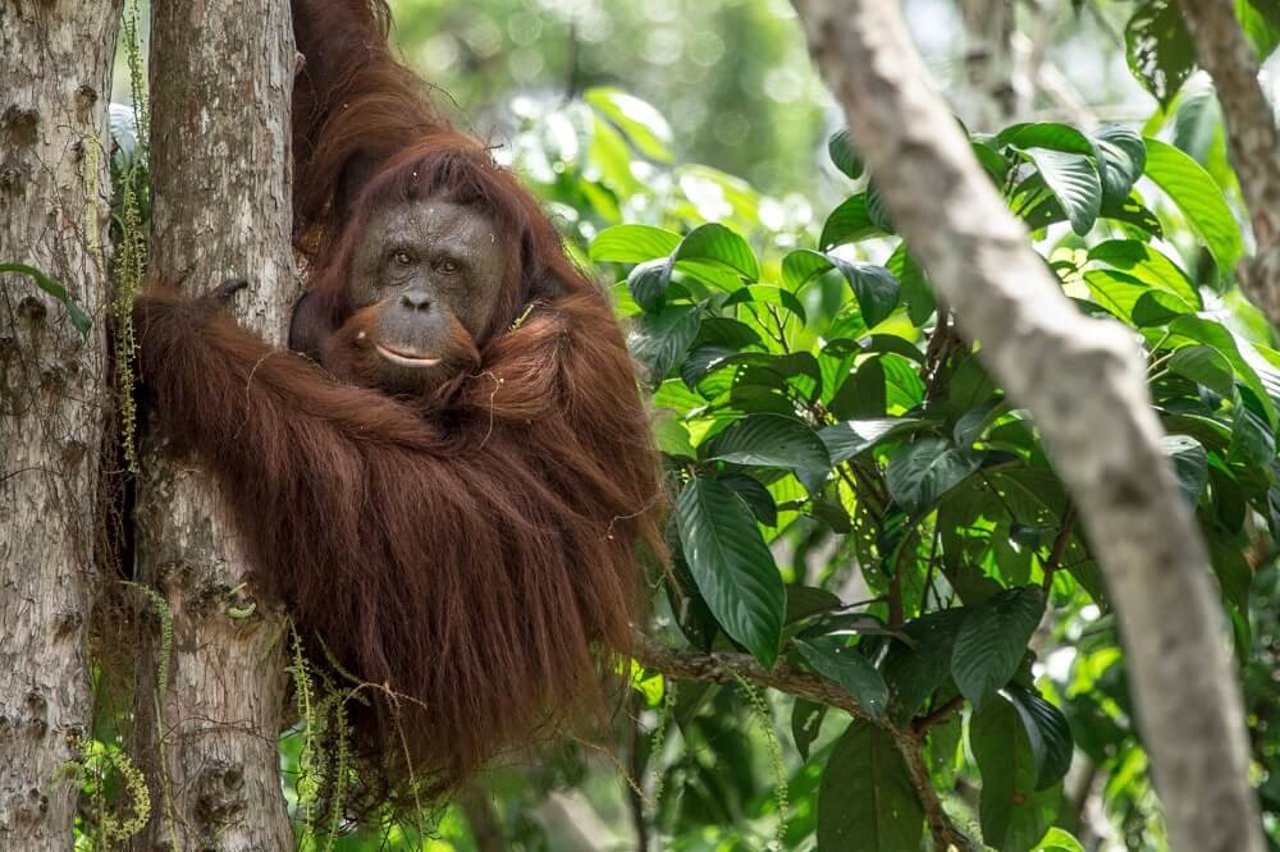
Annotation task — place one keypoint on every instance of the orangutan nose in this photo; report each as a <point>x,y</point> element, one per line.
<point>416,300</point>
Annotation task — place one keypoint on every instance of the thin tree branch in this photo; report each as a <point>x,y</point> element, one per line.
<point>731,669</point>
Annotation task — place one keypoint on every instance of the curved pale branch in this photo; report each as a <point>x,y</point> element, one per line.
<point>1084,382</point>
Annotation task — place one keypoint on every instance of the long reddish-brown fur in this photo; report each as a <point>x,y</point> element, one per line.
<point>474,551</point>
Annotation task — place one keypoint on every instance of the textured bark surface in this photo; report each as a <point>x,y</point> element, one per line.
<point>55,64</point>
<point>222,73</point>
<point>1224,51</point>
<point>991,96</point>
<point>1083,381</point>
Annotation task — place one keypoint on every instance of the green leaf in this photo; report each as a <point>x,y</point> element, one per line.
<point>732,566</point>
<point>1218,336</point>
<point>715,244</point>
<point>757,498</point>
<point>846,440</point>
<point>1197,125</point>
<point>644,126</point>
<point>671,435</point>
<point>862,395</point>
<point>1058,840</point>
<point>1159,48</point>
<point>1122,158</point>
<point>873,286</point>
<point>915,287</point>
<point>806,724</point>
<point>993,639</point>
<point>1014,816</point>
<point>660,340</point>
<point>632,244</point>
<point>1073,179</point>
<point>1206,366</point>
<point>866,801</point>
<point>1055,137</point>
<point>832,658</point>
<point>1226,555</point>
<point>922,472</point>
<point>771,440</point>
<point>79,318</point>
<point>1048,732</point>
<point>1148,265</point>
<point>915,672</point>
<point>648,282</point>
<point>802,266</point>
<point>1196,194</point>
<point>1260,20</point>
<point>1190,464</point>
<point>876,209</point>
<point>848,223</point>
<point>841,151</point>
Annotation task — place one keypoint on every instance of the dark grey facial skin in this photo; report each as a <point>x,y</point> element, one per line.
<point>430,263</point>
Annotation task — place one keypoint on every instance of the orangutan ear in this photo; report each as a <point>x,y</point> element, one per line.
<point>310,327</point>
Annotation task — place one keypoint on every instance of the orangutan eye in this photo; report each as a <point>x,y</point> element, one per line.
<point>402,258</point>
<point>448,267</point>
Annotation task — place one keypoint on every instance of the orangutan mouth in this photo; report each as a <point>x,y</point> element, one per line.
<point>406,357</point>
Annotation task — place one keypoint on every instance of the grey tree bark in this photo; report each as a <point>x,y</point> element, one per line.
<point>992,94</point>
<point>55,61</point>
<point>221,82</point>
<point>1224,51</point>
<point>1084,382</point>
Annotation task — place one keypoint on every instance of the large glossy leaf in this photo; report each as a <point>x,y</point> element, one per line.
<point>806,724</point>
<point>1260,20</point>
<point>771,440</point>
<point>717,245</point>
<point>659,340</point>
<point>643,125</point>
<point>922,472</point>
<point>848,223</point>
<point>1073,179</point>
<point>832,658</point>
<point>802,266</point>
<point>1218,336</point>
<point>1122,157</point>
<point>993,639</point>
<point>731,565</point>
<point>842,154</point>
<point>915,287</point>
<point>1190,464</point>
<point>866,801</point>
<point>1196,194</point>
<point>1148,265</point>
<point>1048,732</point>
<point>632,244</point>
<point>1056,137</point>
<point>1058,840</point>
<point>1014,815</point>
<point>1159,48</point>
<point>875,287</point>
<point>648,283</point>
<point>915,671</point>
<point>1206,366</point>
<point>846,440</point>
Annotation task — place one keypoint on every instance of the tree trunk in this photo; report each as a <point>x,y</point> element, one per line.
<point>1084,382</point>
<point>990,97</point>
<point>55,64</point>
<point>221,79</point>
